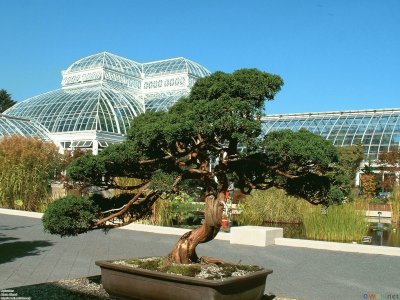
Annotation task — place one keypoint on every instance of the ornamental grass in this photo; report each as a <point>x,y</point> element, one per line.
<point>395,202</point>
<point>271,206</point>
<point>341,223</point>
<point>26,167</point>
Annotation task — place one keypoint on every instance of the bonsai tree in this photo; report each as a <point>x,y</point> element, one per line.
<point>205,141</point>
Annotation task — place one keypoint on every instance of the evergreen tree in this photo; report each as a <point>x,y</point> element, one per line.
<point>206,142</point>
<point>5,100</point>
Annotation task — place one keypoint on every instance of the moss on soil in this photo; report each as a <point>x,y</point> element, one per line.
<point>192,270</point>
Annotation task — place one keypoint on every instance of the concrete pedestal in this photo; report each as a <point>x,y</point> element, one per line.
<point>255,235</point>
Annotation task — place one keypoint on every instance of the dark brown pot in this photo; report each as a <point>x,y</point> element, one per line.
<point>123,282</point>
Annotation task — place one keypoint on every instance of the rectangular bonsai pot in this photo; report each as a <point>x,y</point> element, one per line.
<point>124,282</point>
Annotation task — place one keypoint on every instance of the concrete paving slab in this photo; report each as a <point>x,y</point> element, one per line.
<point>299,273</point>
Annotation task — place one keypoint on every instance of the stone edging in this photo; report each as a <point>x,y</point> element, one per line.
<point>21,213</point>
<point>343,247</point>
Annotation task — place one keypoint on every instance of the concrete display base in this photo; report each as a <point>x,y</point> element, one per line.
<point>255,235</point>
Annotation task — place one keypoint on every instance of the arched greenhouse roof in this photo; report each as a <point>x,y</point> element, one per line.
<point>114,62</point>
<point>160,101</point>
<point>377,130</point>
<point>17,126</point>
<point>173,66</point>
<point>107,61</point>
<point>103,107</point>
<point>102,93</point>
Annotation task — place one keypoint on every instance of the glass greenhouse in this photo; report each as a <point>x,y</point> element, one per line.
<point>23,127</point>
<point>377,130</point>
<point>102,93</point>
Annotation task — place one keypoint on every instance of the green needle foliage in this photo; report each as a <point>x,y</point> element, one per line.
<point>69,216</point>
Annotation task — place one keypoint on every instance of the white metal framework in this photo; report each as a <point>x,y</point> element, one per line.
<point>377,130</point>
<point>17,126</point>
<point>102,93</point>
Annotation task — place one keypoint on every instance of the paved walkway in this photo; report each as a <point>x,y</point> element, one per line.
<point>30,256</point>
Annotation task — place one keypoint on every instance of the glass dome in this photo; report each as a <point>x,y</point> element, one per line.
<point>107,61</point>
<point>102,93</point>
<point>161,101</point>
<point>23,127</point>
<point>377,130</point>
<point>102,107</point>
<point>173,66</point>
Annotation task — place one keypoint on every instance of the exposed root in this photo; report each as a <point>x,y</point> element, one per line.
<point>211,260</point>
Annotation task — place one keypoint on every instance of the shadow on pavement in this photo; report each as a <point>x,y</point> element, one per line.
<point>64,291</point>
<point>4,238</point>
<point>13,250</point>
<point>2,227</point>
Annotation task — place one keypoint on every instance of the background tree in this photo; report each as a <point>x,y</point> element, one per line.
<point>5,100</point>
<point>350,158</point>
<point>206,141</point>
<point>390,162</point>
<point>368,181</point>
<point>26,165</point>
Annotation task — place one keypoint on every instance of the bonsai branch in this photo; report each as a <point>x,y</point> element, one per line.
<point>123,208</point>
<point>150,161</point>
<point>286,174</point>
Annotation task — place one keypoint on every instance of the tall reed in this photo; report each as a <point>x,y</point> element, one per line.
<point>26,166</point>
<point>162,213</point>
<point>342,223</point>
<point>395,202</point>
<point>272,206</point>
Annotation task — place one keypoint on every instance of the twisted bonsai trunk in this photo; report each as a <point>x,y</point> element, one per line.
<point>184,251</point>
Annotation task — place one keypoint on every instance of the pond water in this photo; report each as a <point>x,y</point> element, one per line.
<point>381,235</point>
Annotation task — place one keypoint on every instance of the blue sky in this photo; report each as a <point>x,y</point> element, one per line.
<point>332,55</point>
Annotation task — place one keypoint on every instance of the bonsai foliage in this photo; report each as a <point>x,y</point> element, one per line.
<point>205,142</point>
<point>70,215</point>
<point>26,166</point>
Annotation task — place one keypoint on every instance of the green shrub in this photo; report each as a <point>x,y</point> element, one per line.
<point>70,216</point>
<point>273,206</point>
<point>184,212</point>
<point>179,210</point>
